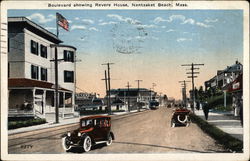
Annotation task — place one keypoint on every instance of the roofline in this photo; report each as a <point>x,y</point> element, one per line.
<point>95,116</point>
<point>33,24</point>
<point>69,46</point>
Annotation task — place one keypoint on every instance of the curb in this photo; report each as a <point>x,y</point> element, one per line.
<point>53,125</point>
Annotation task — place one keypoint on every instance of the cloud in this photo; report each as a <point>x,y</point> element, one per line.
<point>203,25</point>
<point>184,20</point>
<point>189,21</point>
<point>183,39</point>
<point>170,30</point>
<point>89,21</point>
<point>123,19</point>
<point>76,18</point>
<point>50,28</point>
<point>75,27</point>
<point>93,29</point>
<point>211,21</point>
<point>41,18</point>
<point>176,17</point>
<point>159,19</point>
<point>146,26</point>
<point>107,23</point>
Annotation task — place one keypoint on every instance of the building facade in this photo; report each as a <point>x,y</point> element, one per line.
<point>31,71</point>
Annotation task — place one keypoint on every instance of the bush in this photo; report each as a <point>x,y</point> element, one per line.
<point>217,101</point>
<point>26,123</point>
<point>220,136</point>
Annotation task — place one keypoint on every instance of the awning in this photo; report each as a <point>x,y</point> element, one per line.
<point>23,82</point>
<point>235,86</point>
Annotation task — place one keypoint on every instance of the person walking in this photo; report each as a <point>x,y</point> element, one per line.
<point>205,109</point>
<point>241,111</point>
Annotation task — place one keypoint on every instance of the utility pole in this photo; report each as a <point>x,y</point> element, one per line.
<point>184,95</point>
<point>193,76</point>
<point>138,90</point>
<point>153,86</point>
<point>108,83</point>
<point>128,97</point>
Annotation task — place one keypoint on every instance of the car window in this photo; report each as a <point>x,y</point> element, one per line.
<point>86,122</point>
<point>104,123</point>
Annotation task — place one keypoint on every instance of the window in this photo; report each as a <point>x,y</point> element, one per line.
<point>68,56</point>
<point>34,72</point>
<point>43,51</point>
<point>43,74</point>
<point>8,44</point>
<point>68,76</point>
<point>34,47</point>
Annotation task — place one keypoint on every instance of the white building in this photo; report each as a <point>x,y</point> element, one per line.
<point>31,71</point>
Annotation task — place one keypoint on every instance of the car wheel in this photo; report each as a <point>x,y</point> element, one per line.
<point>110,140</point>
<point>87,144</point>
<point>66,143</point>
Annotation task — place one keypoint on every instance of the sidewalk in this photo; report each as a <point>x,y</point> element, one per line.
<point>62,122</point>
<point>225,121</point>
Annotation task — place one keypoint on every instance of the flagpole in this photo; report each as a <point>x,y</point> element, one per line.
<point>56,75</point>
<point>57,30</point>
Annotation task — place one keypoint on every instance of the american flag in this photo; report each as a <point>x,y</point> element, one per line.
<point>61,21</point>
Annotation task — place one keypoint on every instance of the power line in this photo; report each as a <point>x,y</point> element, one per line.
<point>193,76</point>
<point>108,85</point>
<point>138,81</point>
<point>184,95</point>
<point>128,97</point>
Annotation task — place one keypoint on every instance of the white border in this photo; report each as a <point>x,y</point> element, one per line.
<point>5,5</point>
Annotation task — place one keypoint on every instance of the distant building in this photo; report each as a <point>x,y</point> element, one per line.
<point>88,101</point>
<point>224,77</point>
<point>31,74</point>
<point>133,95</point>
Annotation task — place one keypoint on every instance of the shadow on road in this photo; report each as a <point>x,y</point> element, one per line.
<point>80,150</point>
<point>167,147</point>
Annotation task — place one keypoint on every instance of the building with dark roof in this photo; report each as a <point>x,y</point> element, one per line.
<point>31,74</point>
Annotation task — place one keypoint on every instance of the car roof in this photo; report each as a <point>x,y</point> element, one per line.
<point>94,117</point>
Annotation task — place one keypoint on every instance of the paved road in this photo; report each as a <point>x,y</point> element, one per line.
<point>145,132</point>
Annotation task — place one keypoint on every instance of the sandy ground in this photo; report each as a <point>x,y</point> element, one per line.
<point>145,132</point>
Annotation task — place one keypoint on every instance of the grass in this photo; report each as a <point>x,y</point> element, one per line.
<point>220,136</point>
<point>25,123</point>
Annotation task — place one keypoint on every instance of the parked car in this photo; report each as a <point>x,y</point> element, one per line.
<point>153,104</point>
<point>92,130</point>
<point>180,117</point>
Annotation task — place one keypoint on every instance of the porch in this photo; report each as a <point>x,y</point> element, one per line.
<point>39,102</point>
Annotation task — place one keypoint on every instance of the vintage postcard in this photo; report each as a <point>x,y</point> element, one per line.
<point>124,80</point>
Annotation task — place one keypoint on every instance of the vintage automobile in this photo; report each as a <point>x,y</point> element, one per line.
<point>180,117</point>
<point>153,104</point>
<point>92,130</point>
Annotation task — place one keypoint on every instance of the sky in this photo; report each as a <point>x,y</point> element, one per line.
<point>149,45</point>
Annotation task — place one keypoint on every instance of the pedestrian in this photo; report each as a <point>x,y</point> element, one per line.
<point>198,105</point>
<point>241,111</point>
<point>205,109</point>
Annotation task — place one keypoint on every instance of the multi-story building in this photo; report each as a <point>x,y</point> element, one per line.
<point>31,71</point>
<point>225,77</point>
